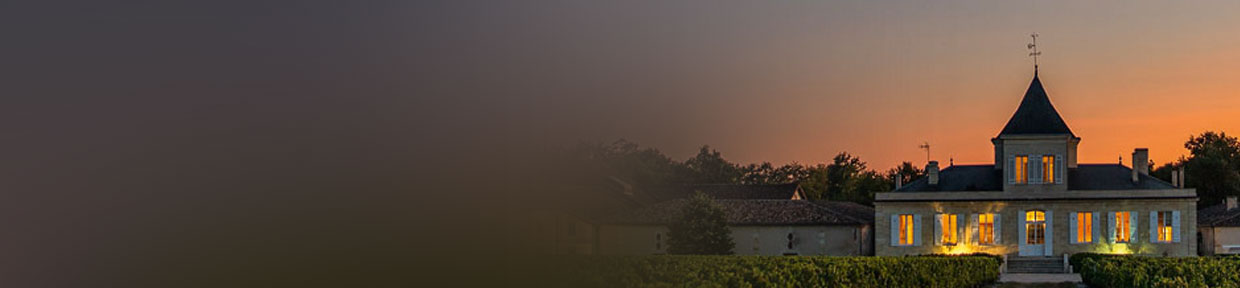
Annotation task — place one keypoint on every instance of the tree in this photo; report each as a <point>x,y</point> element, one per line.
<point>906,172</point>
<point>1213,166</point>
<point>700,229</point>
<point>708,166</point>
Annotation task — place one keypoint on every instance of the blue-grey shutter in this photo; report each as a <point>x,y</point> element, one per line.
<point>1059,170</point>
<point>1072,228</point>
<point>960,229</point>
<point>895,229</point>
<point>998,236</point>
<point>1011,169</point>
<point>916,230</point>
<point>1175,226</point>
<point>973,231</point>
<point>1153,226</point>
<point>1132,227</point>
<point>1020,230</point>
<point>1035,170</point>
<point>1050,231</point>
<point>1097,224</point>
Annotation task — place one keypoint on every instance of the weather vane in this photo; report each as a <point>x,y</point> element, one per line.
<point>1035,53</point>
<point>926,145</point>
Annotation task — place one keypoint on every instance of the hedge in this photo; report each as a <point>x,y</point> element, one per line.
<point>1106,271</point>
<point>780,271</point>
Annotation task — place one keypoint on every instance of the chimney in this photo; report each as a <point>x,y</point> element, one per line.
<point>1175,178</point>
<point>932,172</point>
<point>899,181</point>
<point>1231,202</point>
<point>1183,180</point>
<point>1140,163</point>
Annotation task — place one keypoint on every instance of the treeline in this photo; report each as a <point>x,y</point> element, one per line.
<point>1212,167</point>
<point>846,178</point>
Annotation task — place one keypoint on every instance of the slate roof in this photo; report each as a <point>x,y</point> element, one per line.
<point>733,191</point>
<point>1084,177</point>
<point>1218,216</point>
<point>750,212</point>
<point>1036,115</point>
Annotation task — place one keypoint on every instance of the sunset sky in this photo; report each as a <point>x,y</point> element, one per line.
<point>803,80</point>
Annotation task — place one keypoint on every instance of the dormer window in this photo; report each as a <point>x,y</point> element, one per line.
<point>1048,169</point>
<point>1022,169</point>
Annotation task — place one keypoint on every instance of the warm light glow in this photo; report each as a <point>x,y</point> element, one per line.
<point>1048,169</point>
<point>1035,227</point>
<point>906,229</point>
<point>949,226</point>
<point>986,229</point>
<point>1122,231</point>
<point>1084,227</point>
<point>1022,169</point>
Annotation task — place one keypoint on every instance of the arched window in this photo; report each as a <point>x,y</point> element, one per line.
<point>1035,227</point>
<point>658,241</point>
<point>791,240</point>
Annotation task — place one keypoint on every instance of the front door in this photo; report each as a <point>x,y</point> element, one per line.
<point>1035,234</point>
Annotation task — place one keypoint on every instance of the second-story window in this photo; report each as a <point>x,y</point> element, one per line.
<point>1048,169</point>
<point>1022,169</point>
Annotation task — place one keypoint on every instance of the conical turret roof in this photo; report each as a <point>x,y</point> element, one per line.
<point>1036,115</point>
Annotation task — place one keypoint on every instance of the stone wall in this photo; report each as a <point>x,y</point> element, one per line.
<point>1059,210</point>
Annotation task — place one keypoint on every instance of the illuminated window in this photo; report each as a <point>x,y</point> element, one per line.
<point>948,224</point>
<point>1122,229</point>
<point>1084,227</point>
<point>1164,226</point>
<point>1048,169</point>
<point>1035,227</point>
<point>906,229</point>
<point>1022,169</point>
<point>986,229</point>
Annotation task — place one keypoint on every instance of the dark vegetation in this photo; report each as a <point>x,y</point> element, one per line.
<point>846,178</point>
<point>777,271</point>
<point>702,229</point>
<point>1108,271</point>
<point>1213,167</point>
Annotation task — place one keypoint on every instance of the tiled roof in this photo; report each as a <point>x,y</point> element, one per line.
<point>860,212</point>
<point>1218,215</point>
<point>1036,115</point>
<point>734,191</point>
<point>747,212</point>
<point>1084,177</point>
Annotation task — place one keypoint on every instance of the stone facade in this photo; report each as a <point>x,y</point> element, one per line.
<point>1035,190</point>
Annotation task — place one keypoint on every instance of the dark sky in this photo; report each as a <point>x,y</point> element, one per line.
<point>212,143</point>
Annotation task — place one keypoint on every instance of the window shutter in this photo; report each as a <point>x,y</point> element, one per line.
<point>1072,228</point>
<point>895,229</point>
<point>938,229</point>
<point>1132,226</point>
<point>916,229</point>
<point>1175,226</point>
<point>1153,226</point>
<point>974,232</point>
<point>1050,237</point>
<point>1020,229</point>
<point>1011,169</point>
<point>1097,225</point>
<point>1035,169</point>
<point>1059,170</point>
<point>960,229</point>
<point>1111,227</point>
<point>998,236</point>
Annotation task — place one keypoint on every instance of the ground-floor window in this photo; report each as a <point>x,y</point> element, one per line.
<point>1123,229</point>
<point>1084,227</point>
<point>906,229</point>
<point>986,229</point>
<point>948,225</point>
<point>1165,227</point>
<point>1035,227</point>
